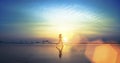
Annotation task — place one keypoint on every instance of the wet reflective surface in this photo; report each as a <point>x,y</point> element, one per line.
<point>48,53</point>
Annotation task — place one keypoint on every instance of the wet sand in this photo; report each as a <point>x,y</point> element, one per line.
<point>48,53</point>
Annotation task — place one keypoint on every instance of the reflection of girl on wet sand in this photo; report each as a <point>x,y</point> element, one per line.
<point>61,46</point>
<point>60,51</point>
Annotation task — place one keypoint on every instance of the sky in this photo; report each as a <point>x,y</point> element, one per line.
<point>38,19</point>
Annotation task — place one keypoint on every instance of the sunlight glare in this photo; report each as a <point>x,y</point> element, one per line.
<point>65,39</point>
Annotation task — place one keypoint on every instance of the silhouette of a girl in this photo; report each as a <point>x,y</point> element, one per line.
<point>61,44</point>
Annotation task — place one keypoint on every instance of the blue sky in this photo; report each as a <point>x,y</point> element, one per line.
<point>31,18</point>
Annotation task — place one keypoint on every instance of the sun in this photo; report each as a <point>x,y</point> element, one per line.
<point>65,39</point>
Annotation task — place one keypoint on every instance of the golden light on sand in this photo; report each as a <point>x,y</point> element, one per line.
<point>66,49</point>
